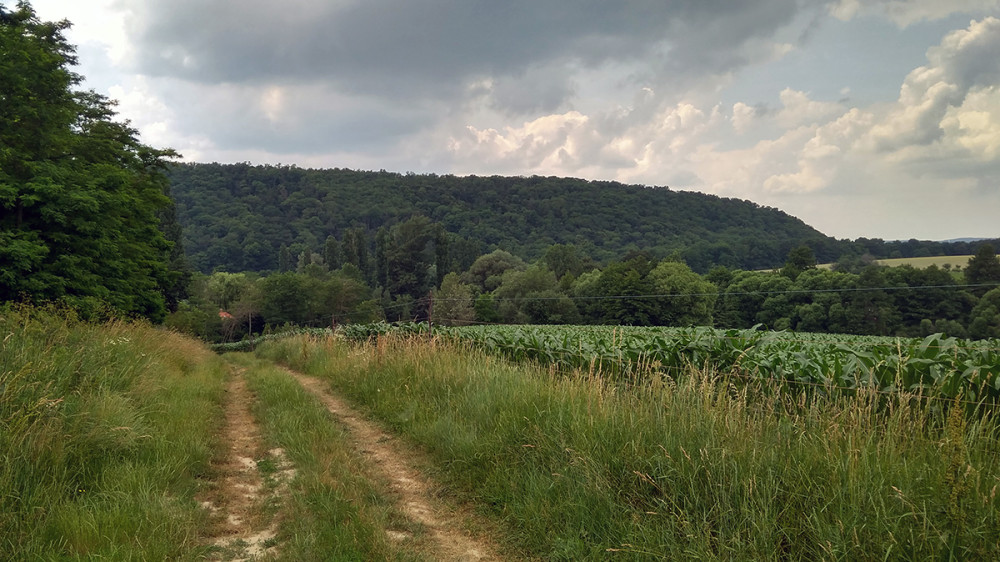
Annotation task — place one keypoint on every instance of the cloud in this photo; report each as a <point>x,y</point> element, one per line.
<point>908,12</point>
<point>799,110</point>
<point>718,96</point>
<point>966,60</point>
<point>396,48</point>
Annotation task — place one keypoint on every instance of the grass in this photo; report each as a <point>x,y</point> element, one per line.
<point>923,263</point>
<point>104,431</point>
<point>956,262</point>
<point>333,510</point>
<point>579,468</point>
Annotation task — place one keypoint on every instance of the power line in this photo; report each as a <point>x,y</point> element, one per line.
<point>719,335</point>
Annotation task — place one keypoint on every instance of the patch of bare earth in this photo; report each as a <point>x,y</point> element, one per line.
<point>244,497</point>
<point>396,464</point>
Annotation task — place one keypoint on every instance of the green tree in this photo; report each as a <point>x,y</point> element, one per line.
<point>565,259</point>
<point>754,297</point>
<point>623,292</point>
<point>486,273</point>
<point>532,296</point>
<point>800,259</point>
<point>331,253</point>
<point>983,268</point>
<point>453,304</point>
<point>284,299</point>
<point>985,319</point>
<point>688,299</point>
<point>411,257</point>
<point>225,289</point>
<point>284,259</point>
<point>486,309</point>
<point>355,250</point>
<point>80,196</point>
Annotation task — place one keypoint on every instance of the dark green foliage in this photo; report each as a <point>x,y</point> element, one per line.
<point>799,260</point>
<point>985,320</point>
<point>525,216</point>
<point>82,199</point>
<point>984,267</point>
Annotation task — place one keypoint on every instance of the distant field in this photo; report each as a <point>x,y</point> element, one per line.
<point>920,263</point>
<point>940,261</point>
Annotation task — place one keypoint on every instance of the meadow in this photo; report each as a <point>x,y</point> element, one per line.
<point>105,430</point>
<point>577,465</point>
<point>109,432</point>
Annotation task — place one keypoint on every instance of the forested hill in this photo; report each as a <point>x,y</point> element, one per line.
<point>237,217</point>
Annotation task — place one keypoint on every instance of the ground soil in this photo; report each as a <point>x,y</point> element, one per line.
<point>245,507</point>
<point>397,464</point>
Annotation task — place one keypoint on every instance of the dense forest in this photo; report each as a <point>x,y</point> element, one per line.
<point>237,217</point>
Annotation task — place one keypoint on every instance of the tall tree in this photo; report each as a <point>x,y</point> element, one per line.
<point>331,253</point>
<point>80,195</point>
<point>355,250</point>
<point>800,259</point>
<point>983,268</point>
<point>686,299</point>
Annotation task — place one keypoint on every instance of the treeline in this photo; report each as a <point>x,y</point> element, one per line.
<point>237,217</point>
<point>410,274</point>
<point>85,214</point>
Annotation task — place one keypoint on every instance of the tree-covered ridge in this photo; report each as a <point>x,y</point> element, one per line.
<point>237,217</point>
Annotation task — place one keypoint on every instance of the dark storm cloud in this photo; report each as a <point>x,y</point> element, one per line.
<point>398,48</point>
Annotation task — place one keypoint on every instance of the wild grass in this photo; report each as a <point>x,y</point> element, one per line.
<point>580,468</point>
<point>104,430</point>
<point>334,510</point>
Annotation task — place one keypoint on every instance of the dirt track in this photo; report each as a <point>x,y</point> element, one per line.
<point>396,464</point>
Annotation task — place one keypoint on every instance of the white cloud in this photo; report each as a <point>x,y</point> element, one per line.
<point>799,110</point>
<point>975,125</point>
<point>966,60</point>
<point>743,116</point>
<point>908,12</point>
<point>636,92</point>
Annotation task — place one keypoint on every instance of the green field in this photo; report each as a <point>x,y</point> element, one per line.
<point>920,263</point>
<point>936,367</point>
<point>574,443</point>
<point>577,466</point>
<point>955,262</point>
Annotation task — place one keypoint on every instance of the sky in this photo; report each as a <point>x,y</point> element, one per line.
<point>863,118</point>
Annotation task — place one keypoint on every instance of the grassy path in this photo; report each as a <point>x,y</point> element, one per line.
<point>245,498</point>
<point>396,463</point>
<point>358,493</point>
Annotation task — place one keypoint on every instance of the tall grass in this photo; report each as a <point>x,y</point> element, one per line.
<point>579,468</point>
<point>103,432</point>
<point>334,510</point>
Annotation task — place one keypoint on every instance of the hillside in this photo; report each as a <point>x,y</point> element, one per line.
<point>237,217</point>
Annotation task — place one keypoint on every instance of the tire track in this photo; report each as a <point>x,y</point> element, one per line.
<point>395,463</point>
<point>238,497</point>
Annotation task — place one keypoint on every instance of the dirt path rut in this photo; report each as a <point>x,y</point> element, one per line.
<point>396,464</point>
<point>242,527</point>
